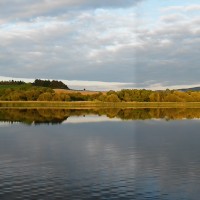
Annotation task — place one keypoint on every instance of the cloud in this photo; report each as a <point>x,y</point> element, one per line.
<point>92,45</point>
<point>105,41</point>
<point>14,10</point>
<point>188,8</point>
<point>172,18</point>
<point>168,50</point>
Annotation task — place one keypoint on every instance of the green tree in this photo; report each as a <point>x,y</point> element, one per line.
<point>112,98</point>
<point>47,96</point>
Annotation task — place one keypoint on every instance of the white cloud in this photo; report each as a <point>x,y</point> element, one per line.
<point>169,50</point>
<point>188,8</point>
<point>93,44</point>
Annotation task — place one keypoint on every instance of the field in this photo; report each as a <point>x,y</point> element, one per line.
<point>83,92</point>
<point>95,104</point>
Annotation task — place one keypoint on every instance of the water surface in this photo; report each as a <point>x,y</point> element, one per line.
<point>81,155</point>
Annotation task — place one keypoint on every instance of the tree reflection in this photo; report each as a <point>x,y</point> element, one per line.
<point>56,116</point>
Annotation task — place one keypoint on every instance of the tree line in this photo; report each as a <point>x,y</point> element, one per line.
<point>38,82</point>
<point>42,90</point>
<point>51,84</point>
<point>12,82</point>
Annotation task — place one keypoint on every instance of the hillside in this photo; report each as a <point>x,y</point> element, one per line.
<point>190,89</point>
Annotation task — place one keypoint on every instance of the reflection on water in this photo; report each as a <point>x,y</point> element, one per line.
<point>99,159</point>
<point>57,116</point>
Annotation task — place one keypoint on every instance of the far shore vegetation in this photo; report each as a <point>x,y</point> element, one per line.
<point>55,115</point>
<point>56,93</point>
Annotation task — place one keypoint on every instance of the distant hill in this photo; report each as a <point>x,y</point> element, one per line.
<point>190,89</point>
<point>40,83</point>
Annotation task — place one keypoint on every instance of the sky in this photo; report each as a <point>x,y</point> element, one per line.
<point>107,44</point>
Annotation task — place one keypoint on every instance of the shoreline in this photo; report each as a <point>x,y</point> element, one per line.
<point>93,104</point>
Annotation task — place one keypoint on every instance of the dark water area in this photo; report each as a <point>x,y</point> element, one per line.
<point>87,156</point>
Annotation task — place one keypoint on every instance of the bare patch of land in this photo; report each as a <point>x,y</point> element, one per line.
<point>83,92</point>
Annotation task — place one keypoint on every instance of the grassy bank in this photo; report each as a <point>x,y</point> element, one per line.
<point>94,104</point>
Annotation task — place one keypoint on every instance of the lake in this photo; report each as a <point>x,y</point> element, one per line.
<point>100,154</point>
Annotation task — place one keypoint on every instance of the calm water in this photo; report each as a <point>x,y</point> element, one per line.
<point>96,157</point>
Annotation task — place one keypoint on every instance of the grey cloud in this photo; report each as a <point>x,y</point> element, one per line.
<point>104,45</point>
<point>173,18</point>
<point>169,52</point>
<point>86,46</point>
<point>26,10</point>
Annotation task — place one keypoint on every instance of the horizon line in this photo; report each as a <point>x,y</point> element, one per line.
<point>104,85</point>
